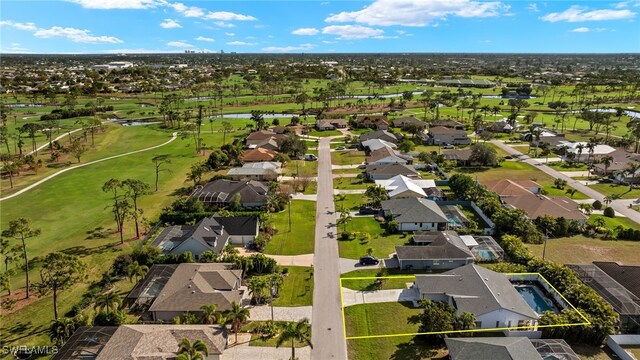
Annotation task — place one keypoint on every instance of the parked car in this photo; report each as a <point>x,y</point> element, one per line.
<point>340,148</point>
<point>448,146</point>
<point>368,210</point>
<point>310,157</point>
<point>362,166</point>
<point>369,260</point>
<point>605,181</point>
<point>508,157</point>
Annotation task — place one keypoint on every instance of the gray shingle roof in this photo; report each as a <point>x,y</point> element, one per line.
<point>444,245</point>
<point>494,348</point>
<point>476,290</point>
<point>412,210</point>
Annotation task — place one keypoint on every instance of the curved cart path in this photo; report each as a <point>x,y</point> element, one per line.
<point>173,137</point>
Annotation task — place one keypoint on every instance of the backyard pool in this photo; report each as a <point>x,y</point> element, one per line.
<point>535,300</point>
<point>485,254</point>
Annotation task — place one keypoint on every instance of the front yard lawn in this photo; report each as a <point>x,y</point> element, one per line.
<point>563,166</point>
<point>300,239</point>
<point>382,319</point>
<point>616,189</point>
<point>554,191</point>
<point>383,245</point>
<point>350,183</point>
<point>350,202</point>
<point>257,340</point>
<point>351,157</point>
<point>294,291</point>
<point>368,285</point>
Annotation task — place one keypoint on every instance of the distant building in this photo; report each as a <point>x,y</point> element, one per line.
<point>441,135</point>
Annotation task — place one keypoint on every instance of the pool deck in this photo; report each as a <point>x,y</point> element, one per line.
<point>548,304</point>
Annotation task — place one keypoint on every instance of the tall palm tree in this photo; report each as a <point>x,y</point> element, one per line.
<point>298,331</point>
<point>136,271</point>
<point>108,301</point>
<point>209,315</point>
<point>236,317</point>
<point>607,160</point>
<point>579,148</point>
<point>188,351</point>
<point>61,330</point>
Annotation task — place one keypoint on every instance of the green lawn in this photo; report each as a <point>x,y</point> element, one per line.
<point>616,189</point>
<point>257,340</point>
<point>350,183</point>
<point>325,133</point>
<point>300,239</point>
<point>579,249</point>
<point>350,202</point>
<point>397,348</point>
<point>612,223</point>
<point>553,191</point>
<point>383,245</point>
<point>301,167</point>
<point>351,157</point>
<point>563,166</point>
<point>294,291</point>
<point>369,284</point>
<point>381,319</point>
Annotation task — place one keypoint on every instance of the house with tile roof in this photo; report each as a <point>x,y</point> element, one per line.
<point>258,155</point>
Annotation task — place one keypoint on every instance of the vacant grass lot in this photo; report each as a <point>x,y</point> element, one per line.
<point>300,239</point>
<point>294,291</point>
<point>351,202</point>
<point>383,245</point>
<point>616,189</point>
<point>381,319</point>
<point>579,249</point>
<point>351,157</point>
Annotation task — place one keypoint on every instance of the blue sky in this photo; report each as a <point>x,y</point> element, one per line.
<point>137,26</point>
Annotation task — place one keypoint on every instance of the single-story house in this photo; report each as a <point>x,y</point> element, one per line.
<point>488,295</point>
<point>579,152</point>
<point>440,135</point>
<point>258,155</point>
<point>502,126</point>
<point>331,124</point>
<point>262,137</point>
<point>413,214</point>
<point>509,348</point>
<point>221,192</point>
<point>401,186</point>
<point>620,162</point>
<point>435,250</point>
<point>387,171</point>
<point>211,233</point>
<point>451,124</point>
<point>295,129</point>
<point>375,144</point>
<point>408,121</point>
<point>507,187</point>
<point>376,122</point>
<point>173,289</point>
<point>381,135</point>
<point>462,157</point>
<point>268,144</point>
<point>536,205</point>
<point>260,171</point>
<point>387,155</point>
<point>138,341</point>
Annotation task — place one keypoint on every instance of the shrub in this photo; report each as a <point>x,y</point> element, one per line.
<point>393,227</point>
<point>597,205</point>
<point>609,212</point>
<point>109,318</point>
<point>120,263</point>
<point>145,255</point>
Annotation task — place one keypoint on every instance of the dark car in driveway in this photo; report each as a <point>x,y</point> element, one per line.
<point>369,260</point>
<point>368,210</point>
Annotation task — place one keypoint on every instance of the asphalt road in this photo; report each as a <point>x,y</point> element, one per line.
<point>327,332</point>
<point>620,206</point>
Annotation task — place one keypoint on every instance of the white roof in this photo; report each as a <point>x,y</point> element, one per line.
<point>399,184</point>
<point>597,150</point>
<point>273,165</point>
<point>375,144</point>
<point>469,240</point>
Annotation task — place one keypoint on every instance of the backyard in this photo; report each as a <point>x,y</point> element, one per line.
<point>351,157</point>
<point>579,249</point>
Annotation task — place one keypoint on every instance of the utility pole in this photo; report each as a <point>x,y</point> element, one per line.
<point>290,213</point>
<point>271,296</point>
<point>544,249</point>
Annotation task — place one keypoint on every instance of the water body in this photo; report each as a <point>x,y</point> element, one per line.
<point>388,96</point>
<point>24,105</point>
<point>630,113</point>
<point>131,122</point>
<point>266,116</point>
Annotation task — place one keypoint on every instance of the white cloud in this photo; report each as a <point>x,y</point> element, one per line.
<point>75,35</point>
<point>187,11</point>
<point>621,5</point>
<point>578,13</point>
<point>117,4</point>
<point>533,7</point>
<point>328,42</point>
<point>350,32</point>
<point>207,39</point>
<point>286,49</point>
<point>418,12</point>
<point>181,44</point>
<point>305,31</point>
<point>20,26</point>
<point>580,30</point>
<point>228,16</point>
<point>15,48</point>
<point>223,24</point>
<point>139,51</point>
<point>170,24</point>
<point>230,34</point>
<point>241,43</point>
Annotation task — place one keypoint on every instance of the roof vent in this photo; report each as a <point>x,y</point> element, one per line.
<point>206,228</point>
<point>193,292</point>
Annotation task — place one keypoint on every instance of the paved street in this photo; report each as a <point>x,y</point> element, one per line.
<point>327,331</point>
<point>620,206</point>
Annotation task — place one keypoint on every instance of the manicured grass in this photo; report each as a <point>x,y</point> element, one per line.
<point>351,157</point>
<point>579,249</point>
<point>382,319</point>
<point>301,167</point>
<point>294,291</point>
<point>399,348</point>
<point>350,183</point>
<point>553,191</point>
<point>325,133</point>
<point>347,171</point>
<point>257,340</point>
<point>383,245</point>
<point>508,170</point>
<point>351,202</point>
<point>612,223</point>
<point>369,284</point>
<point>616,189</point>
<point>563,166</point>
<point>300,239</point>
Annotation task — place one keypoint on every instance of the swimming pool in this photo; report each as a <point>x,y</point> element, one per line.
<point>534,299</point>
<point>485,254</point>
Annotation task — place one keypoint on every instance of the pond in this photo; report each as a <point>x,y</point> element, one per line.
<point>266,116</point>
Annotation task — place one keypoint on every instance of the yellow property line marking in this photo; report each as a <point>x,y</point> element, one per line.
<point>344,323</point>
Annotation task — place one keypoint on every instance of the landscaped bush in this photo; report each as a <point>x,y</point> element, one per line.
<point>109,318</point>
<point>628,234</point>
<point>120,263</point>
<point>597,205</point>
<point>609,212</point>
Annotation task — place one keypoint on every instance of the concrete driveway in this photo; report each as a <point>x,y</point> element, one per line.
<point>347,265</point>
<point>353,297</point>
<point>280,313</point>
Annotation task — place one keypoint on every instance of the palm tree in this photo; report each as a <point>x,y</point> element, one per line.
<point>607,160</point>
<point>632,171</point>
<point>571,192</point>
<point>236,317</point>
<point>136,271</point>
<point>188,351</point>
<point>108,301</point>
<point>579,148</point>
<point>341,198</point>
<point>299,331</point>
<point>61,330</point>
<point>209,315</point>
